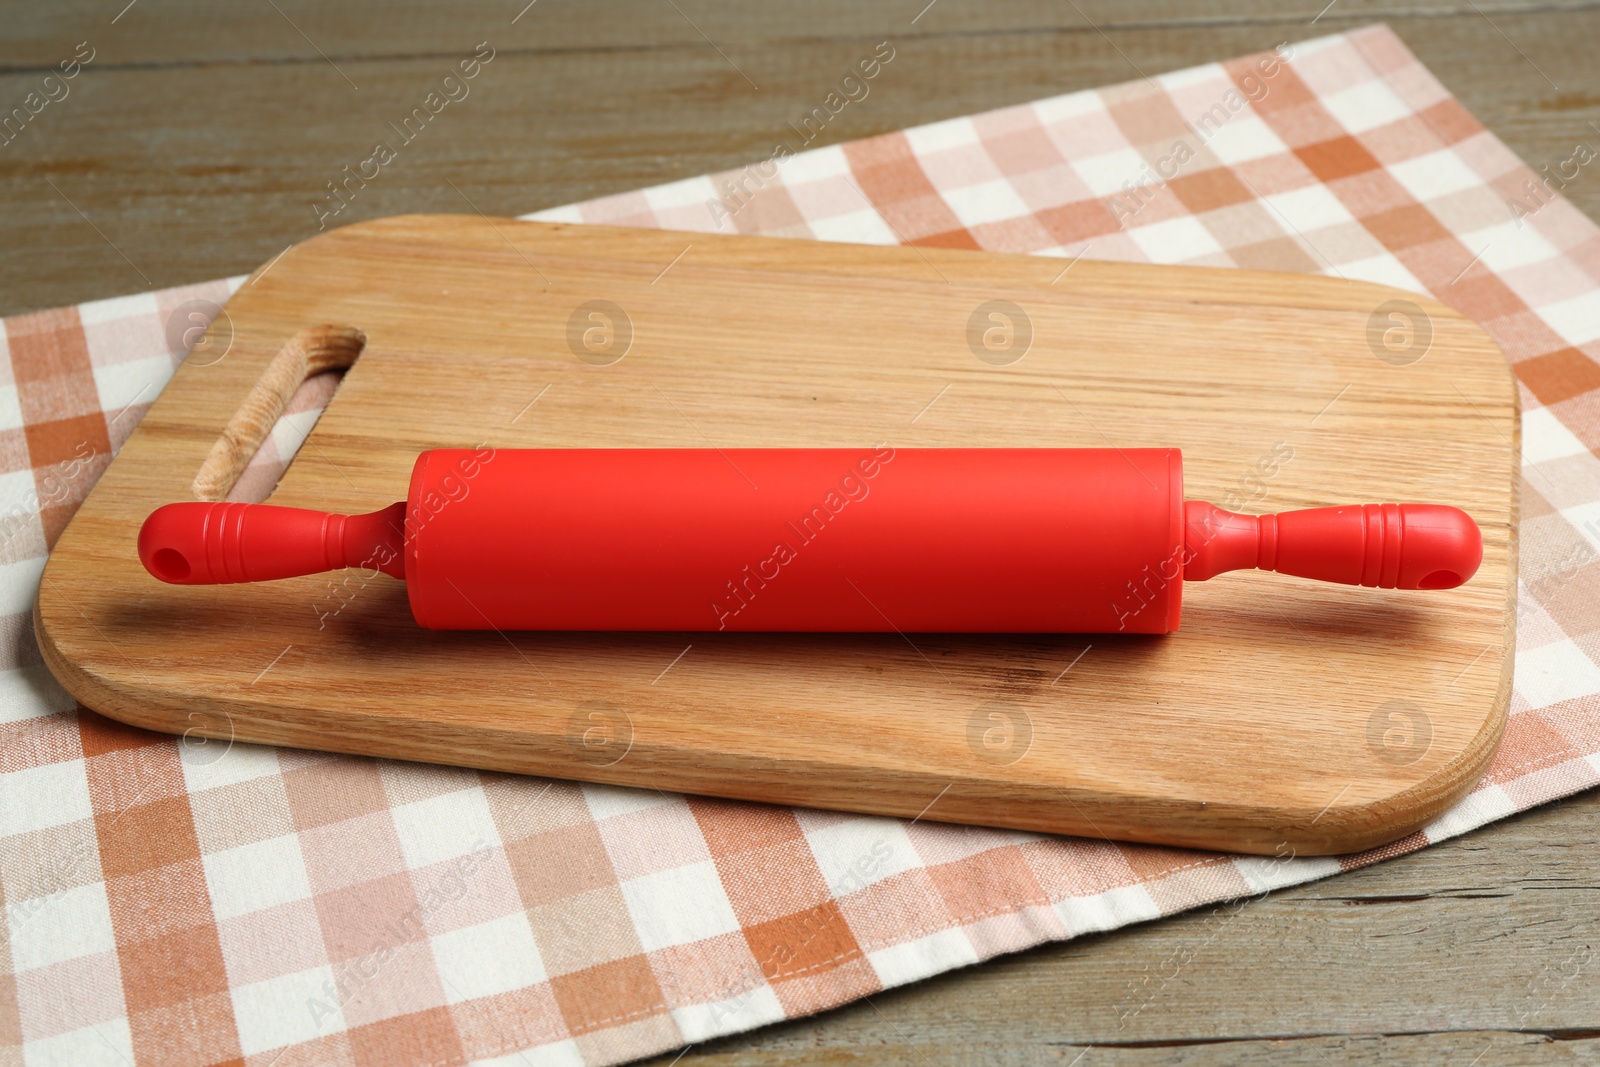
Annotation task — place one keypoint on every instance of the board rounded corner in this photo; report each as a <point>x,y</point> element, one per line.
<point>1376,822</point>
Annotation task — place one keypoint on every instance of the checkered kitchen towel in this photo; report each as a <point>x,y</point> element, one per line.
<point>167,906</point>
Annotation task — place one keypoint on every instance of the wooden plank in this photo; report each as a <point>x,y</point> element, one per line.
<point>245,150</point>
<point>1181,739</point>
<point>1352,1050</point>
<point>192,32</point>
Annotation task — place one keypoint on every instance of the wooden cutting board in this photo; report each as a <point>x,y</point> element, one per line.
<point>1285,715</point>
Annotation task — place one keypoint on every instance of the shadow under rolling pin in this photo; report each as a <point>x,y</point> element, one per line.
<point>1007,540</point>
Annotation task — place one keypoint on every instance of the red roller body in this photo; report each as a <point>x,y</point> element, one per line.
<point>835,539</point>
<point>793,539</point>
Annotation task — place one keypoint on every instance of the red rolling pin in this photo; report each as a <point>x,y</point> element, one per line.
<point>1012,540</point>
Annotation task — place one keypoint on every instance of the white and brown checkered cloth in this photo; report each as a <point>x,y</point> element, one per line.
<point>165,905</point>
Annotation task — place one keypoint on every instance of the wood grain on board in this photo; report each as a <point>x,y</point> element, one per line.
<point>1284,714</point>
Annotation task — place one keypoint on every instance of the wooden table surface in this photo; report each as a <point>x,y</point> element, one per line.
<point>200,138</point>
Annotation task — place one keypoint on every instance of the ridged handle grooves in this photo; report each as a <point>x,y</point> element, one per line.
<point>1384,546</point>
<point>195,543</point>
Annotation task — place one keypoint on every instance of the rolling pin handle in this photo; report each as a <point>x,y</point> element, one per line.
<point>194,543</point>
<point>1385,546</point>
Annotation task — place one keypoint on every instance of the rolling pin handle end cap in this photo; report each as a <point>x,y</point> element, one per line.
<point>1385,546</point>
<point>197,543</point>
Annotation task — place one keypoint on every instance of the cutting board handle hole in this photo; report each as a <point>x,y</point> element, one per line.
<point>314,350</point>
